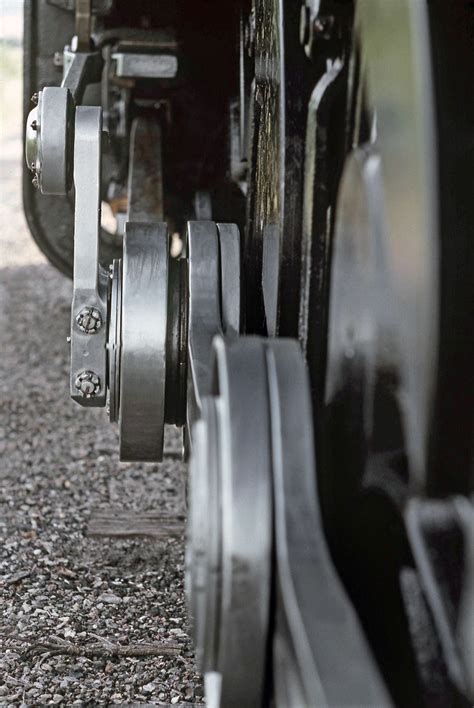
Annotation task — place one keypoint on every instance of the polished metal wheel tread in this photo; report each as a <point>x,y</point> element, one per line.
<point>255,533</point>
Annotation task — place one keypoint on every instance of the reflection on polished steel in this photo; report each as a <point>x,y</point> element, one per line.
<point>230,276</point>
<point>114,343</point>
<point>312,608</point>
<point>252,498</point>
<point>230,527</point>
<point>213,264</point>
<point>388,222</point>
<point>143,353</point>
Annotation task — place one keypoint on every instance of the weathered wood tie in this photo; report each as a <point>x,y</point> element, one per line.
<point>128,524</point>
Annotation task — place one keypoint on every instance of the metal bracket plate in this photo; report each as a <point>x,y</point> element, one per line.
<point>145,66</point>
<point>88,351</point>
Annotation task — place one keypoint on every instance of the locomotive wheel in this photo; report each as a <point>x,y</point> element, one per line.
<point>264,595</point>
<point>385,363</point>
<point>381,231</point>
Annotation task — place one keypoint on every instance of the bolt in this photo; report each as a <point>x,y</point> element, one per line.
<point>34,125</point>
<point>35,181</point>
<point>87,383</point>
<point>34,98</point>
<point>89,320</point>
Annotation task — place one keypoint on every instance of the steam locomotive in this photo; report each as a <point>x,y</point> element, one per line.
<point>266,208</point>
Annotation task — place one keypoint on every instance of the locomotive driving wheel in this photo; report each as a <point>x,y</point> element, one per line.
<point>360,183</point>
<point>388,347</point>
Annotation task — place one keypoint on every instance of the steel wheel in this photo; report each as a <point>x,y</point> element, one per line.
<point>384,366</point>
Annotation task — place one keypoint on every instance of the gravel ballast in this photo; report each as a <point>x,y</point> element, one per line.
<point>60,588</point>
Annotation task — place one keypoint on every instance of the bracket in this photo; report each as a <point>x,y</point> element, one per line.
<point>50,125</point>
<point>88,383</point>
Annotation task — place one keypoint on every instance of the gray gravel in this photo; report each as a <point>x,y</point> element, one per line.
<point>58,462</point>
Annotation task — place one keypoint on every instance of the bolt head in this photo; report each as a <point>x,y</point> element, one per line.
<point>89,320</point>
<point>87,383</point>
<point>34,98</point>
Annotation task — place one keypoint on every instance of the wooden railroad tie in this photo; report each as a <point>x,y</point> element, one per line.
<point>123,523</point>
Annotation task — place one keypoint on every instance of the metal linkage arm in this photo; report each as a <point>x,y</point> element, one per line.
<point>85,68</point>
<point>89,304</point>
